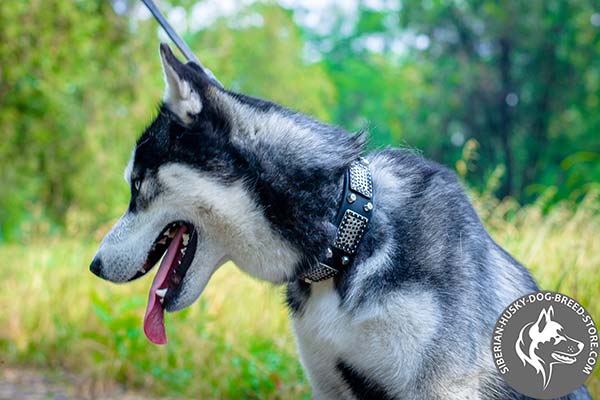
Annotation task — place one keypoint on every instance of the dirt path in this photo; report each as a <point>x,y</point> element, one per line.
<point>31,384</point>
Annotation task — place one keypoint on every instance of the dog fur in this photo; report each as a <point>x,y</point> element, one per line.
<point>412,318</point>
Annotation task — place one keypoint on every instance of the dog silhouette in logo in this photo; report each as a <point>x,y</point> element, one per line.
<point>543,343</point>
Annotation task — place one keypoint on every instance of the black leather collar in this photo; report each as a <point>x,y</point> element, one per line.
<point>352,221</point>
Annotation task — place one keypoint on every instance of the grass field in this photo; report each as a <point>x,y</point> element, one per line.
<point>236,341</point>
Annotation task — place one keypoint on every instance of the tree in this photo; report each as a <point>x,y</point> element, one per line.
<point>512,75</point>
<point>67,82</point>
<point>519,77</point>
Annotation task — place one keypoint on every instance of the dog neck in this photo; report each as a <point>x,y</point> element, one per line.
<point>297,165</point>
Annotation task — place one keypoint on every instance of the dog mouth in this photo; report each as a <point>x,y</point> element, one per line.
<point>184,257</point>
<point>176,245</point>
<point>563,357</point>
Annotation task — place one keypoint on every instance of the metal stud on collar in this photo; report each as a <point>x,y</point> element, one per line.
<point>320,273</point>
<point>360,179</point>
<point>350,232</point>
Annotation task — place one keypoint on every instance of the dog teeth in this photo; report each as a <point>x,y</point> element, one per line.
<point>161,292</point>
<point>186,239</point>
<point>142,270</point>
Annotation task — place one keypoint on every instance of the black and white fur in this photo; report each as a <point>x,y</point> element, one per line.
<point>412,318</point>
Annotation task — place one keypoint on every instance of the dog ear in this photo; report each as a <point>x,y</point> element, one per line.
<point>544,318</point>
<point>180,95</point>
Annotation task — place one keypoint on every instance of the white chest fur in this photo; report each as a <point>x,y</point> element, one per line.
<point>321,338</point>
<point>384,340</point>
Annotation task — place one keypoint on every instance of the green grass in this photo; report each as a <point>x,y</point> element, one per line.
<point>235,342</point>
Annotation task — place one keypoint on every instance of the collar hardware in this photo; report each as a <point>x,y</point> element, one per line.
<point>352,221</point>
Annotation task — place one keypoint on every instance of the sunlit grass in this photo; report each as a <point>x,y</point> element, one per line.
<point>561,248</point>
<point>236,341</point>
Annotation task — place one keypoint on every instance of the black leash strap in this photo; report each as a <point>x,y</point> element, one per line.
<point>181,45</point>
<point>185,50</point>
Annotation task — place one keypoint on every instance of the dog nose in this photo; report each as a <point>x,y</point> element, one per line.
<point>96,267</point>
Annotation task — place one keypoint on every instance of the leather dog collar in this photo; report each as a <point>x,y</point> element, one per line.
<point>352,221</point>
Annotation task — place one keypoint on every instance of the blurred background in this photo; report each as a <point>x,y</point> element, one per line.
<point>507,93</point>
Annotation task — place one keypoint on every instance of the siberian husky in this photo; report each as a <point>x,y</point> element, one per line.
<point>221,176</point>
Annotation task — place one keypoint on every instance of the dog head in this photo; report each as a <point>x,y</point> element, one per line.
<point>190,199</point>
<point>544,343</point>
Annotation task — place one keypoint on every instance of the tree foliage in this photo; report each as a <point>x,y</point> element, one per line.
<point>521,78</point>
<point>69,97</point>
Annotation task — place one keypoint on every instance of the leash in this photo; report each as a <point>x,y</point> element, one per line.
<point>181,45</point>
<point>352,220</point>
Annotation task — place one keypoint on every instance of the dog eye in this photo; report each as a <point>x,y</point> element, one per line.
<point>557,339</point>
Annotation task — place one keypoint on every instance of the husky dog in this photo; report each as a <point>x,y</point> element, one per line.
<point>222,176</point>
<point>543,343</point>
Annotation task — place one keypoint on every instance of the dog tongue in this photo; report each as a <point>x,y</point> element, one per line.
<point>154,320</point>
